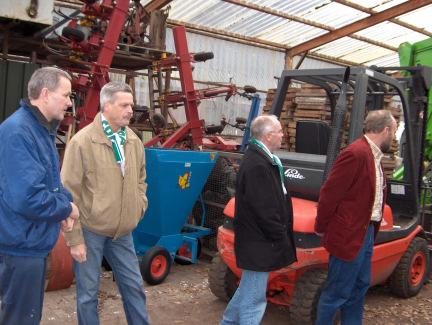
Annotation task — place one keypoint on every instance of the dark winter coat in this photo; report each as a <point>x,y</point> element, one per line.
<point>263,222</point>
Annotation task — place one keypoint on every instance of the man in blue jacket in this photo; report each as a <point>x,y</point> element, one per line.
<point>33,202</point>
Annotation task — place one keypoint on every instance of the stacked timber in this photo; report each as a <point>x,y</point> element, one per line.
<point>309,102</point>
<point>286,116</point>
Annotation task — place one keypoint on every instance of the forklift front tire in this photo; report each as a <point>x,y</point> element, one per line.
<point>307,292</point>
<point>155,265</point>
<point>222,281</point>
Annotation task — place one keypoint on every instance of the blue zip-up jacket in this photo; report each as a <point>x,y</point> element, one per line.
<point>32,198</point>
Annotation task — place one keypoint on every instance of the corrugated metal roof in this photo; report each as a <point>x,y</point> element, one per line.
<point>327,15</point>
<point>268,26</point>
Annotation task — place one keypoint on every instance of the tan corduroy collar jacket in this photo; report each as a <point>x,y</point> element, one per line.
<point>109,204</point>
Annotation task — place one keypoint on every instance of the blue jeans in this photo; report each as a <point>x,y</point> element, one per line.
<point>22,284</point>
<point>347,284</point>
<point>249,302</point>
<point>120,254</point>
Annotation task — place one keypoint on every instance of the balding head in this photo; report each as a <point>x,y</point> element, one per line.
<point>268,130</point>
<point>380,127</point>
<point>262,125</point>
<point>376,121</point>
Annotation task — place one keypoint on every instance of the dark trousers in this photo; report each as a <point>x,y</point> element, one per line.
<point>22,283</point>
<point>347,284</point>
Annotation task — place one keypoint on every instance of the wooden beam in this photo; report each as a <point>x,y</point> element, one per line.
<point>238,38</point>
<point>288,61</point>
<point>277,13</point>
<point>359,25</point>
<point>308,22</point>
<point>393,20</point>
<point>156,4</point>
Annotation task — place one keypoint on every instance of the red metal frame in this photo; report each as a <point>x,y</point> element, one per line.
<point>115,12</point>
<point>101,44</point>
<point>190,97</point>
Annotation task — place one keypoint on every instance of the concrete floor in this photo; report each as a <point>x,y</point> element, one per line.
<point>184,298</point>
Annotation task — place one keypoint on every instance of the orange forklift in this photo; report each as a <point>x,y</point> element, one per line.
<point>401,255</point>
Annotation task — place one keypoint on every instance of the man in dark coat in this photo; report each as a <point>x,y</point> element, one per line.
<point>349,215</point>
<point>263,224</point>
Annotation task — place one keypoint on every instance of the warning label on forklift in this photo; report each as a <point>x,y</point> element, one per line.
<point>397,189</point>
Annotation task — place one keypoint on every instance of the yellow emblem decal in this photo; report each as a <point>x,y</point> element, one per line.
<point>184,181</point>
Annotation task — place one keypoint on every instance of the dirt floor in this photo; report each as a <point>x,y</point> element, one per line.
<point>184,298</point>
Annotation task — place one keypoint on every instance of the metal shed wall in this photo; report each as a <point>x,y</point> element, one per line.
<point>14,77</point>
<point>245,64</point>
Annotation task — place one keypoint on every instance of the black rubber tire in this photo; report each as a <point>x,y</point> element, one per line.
<point>307,292</point>
<point>249,89</point>
<point>221,181</point>
<point>222,281</point>
<point>400,280</point>
<point>203,56</point>
<point>146,265</point>
<point>183,262</point>
<point>158,121</point>
<point>73,34</point>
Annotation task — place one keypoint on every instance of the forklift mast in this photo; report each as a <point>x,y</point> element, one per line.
<point>306,172</point>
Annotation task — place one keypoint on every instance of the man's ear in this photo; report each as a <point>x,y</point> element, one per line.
<point>106,107</point>
<point>44,94</point>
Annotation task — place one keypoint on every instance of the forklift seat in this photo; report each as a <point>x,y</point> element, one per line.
<point>312,136</point>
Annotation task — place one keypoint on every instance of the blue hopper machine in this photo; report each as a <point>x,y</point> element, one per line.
<point>175,179</point>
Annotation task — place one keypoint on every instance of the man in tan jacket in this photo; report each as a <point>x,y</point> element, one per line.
<point>104,169</point>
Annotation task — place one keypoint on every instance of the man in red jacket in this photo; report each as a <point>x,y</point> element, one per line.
<point>349,214</point>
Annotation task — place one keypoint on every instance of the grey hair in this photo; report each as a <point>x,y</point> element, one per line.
<point>47,77</point>
<point>377,121</point>
<point>109,91</point>
<point>263,125</point>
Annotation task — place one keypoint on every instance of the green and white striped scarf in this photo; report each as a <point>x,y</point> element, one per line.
<point>273,157</point>
<point>117,140</point>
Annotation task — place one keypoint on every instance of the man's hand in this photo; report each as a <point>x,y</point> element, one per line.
<point>75,212</point>
<point>67,224</point>
<point>79,252</point>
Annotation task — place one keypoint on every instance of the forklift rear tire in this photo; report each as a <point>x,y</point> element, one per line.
<point>155,265</point>
<point>182,252</point>
<point>222,281</point>
<point>412,271</point>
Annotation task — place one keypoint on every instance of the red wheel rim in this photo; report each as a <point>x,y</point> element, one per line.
<point>417,268</point>
<point>158,265</point>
